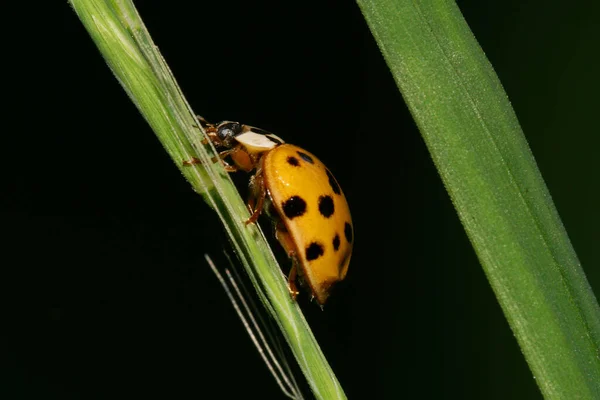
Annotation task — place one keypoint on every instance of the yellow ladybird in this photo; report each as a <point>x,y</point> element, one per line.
<point>310,212</point>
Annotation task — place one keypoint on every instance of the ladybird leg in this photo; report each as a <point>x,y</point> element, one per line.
<point>225,153</point>
<point>192,161</point>
<point>230,168</point>
<point>293,289</point>
<point>258,192</point>
<point>284,238</point>
<point>222,155</point>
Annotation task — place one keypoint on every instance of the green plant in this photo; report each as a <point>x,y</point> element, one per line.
<point>487,167</point>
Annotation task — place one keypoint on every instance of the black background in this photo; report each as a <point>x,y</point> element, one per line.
<point>106,291</point>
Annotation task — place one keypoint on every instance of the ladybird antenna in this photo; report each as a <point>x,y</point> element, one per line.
<point>284,380</point>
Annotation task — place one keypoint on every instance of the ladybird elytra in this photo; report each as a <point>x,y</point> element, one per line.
<point>310,212</point>
<point>314,215</point>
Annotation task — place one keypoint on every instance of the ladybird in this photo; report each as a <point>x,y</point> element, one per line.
<point>310,213</point>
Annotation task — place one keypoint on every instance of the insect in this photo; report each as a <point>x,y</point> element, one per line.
<point>310,213</point>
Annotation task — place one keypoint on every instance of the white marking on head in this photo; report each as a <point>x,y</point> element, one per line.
<point>255,142</point>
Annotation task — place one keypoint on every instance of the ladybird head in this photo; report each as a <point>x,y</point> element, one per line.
<point>226,132</point>
<point>229,134</point>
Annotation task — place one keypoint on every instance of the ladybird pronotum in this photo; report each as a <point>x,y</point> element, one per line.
<point>310,212</point>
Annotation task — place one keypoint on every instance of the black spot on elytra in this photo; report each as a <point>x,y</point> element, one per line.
<point>314,251</point>
<point>326,207</point>
<point>293,161</point>
<point>306,157</point>
<point>294,207</point>
<point>336,242</point>
<point>348,232</point>
<point>333,183</point>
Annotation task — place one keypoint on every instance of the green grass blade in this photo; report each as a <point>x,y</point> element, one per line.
<point>124,42</point>
<point>481,153</point>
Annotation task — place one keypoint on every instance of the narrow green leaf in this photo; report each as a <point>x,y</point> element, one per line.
<point>124,42</point>
<point>483,158</point>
